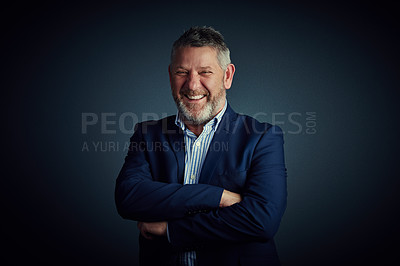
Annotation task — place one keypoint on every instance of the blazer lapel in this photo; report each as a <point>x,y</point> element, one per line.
<point>176,141</point>
<point>216,150</point>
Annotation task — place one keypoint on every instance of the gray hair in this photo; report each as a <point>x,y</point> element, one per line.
<point>201,37</point>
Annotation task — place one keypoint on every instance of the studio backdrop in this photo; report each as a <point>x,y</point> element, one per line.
<point>78,77</point>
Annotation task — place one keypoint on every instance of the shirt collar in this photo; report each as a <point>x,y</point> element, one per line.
<point>213,122</point>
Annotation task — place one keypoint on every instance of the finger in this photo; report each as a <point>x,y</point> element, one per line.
<point>144,231</point>
<point>147,235</point>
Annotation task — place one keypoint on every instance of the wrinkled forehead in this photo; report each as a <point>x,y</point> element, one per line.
<point>190,56</point>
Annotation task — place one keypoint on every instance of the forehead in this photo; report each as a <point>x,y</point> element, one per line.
<point>195,56</point>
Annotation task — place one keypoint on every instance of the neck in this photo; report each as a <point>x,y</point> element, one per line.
<point>196,129</point>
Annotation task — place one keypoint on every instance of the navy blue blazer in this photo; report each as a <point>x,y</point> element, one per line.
<point>245,156</point>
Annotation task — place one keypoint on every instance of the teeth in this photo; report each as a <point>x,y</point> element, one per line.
<point>195,97</point>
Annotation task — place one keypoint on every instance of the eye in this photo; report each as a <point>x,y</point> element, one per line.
<point>205,72</point>
<point>181,73</point>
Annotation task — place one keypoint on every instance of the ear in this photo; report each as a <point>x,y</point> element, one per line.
<point>228,77</point>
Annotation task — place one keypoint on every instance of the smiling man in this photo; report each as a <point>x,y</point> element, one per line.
<point>199,84</point>
<point>216,192</point>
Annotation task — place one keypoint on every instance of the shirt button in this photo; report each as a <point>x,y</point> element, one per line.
<point>192,177</point>
<point>198,144</point>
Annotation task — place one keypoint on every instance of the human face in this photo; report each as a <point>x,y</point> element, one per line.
<point>198,83</point>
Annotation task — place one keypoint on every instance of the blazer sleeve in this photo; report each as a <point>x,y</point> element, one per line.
<point>257,216</point>
<point>138,197</point>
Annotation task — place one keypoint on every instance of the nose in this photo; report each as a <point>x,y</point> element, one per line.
<point>193,81</point>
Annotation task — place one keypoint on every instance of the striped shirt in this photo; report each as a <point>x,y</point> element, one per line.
<point>195,152</point>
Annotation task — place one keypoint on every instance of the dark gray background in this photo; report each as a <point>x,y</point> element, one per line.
<point>337,60</point>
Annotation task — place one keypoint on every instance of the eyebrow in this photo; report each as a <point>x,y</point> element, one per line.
<point>206,67</point>
<point>201,68</point>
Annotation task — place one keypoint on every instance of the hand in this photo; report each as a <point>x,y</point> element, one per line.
<point>229,198</point>
<point>149,230</point>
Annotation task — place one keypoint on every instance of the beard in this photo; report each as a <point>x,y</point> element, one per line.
<point>200,117</point>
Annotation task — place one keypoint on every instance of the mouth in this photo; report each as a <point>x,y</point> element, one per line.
<point>195,97</point>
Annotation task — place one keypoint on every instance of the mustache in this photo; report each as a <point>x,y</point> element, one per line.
<point>194,93</point>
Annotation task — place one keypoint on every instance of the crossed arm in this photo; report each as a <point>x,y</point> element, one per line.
<point>150,229</point>
<point>203,212</point>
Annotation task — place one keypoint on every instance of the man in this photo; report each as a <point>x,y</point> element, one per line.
<point>207,186</point>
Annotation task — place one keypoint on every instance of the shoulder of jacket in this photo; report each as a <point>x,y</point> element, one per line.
<point>252,125</point>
